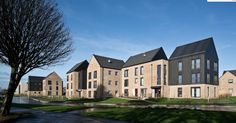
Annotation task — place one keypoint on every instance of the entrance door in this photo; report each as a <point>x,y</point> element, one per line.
<point>143,92</point>
<point>195,92</point>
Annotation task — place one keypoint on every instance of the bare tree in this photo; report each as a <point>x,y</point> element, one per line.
<point>32,35</point>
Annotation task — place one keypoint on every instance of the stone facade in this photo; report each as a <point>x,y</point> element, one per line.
<point>52,85</point>
<point>227,84</point>
<point>22,89</point>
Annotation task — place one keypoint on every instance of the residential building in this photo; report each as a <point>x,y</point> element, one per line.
<point>52,85</point>
<point>193,70</point>
<point>227,83</point>
<point>103,77</point>
<point>35,85</point>
<point>77,80</point>
<point>146,75</point>
<point>22,89</point>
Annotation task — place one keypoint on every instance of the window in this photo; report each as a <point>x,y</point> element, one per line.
<point>143,92</point>
<point>165,75</point>
<point>141,70</point>
<point>179,92</point>
<point>95,74</point>
<point>95,84</point>
<point>196,92</point>
<point>136,81</point>
<point>71,77</point>
<point>67,78</point>
<point>215,78</point>
<point>193,78</point>
<point>215,66</point>
<point>141,81</point>
<point>116,73</point>
<point>56,87</point>
<point>116,82</point>
<point>208,78</point>
<point>180,66</point>
<point>193,64</point>
<point>109,72</point>
<point>136,71</point>
<point>90,85</point>
<point>126,83</point>
<point>49,93</point>
<point>230,81</point>
<point>158,74</point>
<point>57,83</point>
<point>109,82</point>
<point>198,77</point>
<point>67,86</point>
<point>180,79</point>
<point>126,73</point>
<point>90,75</point>
<point>89,93</point>
<point>57,93</point>
<point>50,87</point>
<point>49,82</point>
<point>208,64</point>
<point>94,94</point>
<point>126,92</point>
<point>198,63</point>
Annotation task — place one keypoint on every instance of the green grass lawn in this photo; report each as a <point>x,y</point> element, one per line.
<point>57,108</point>
<point>162,115</point>
<point>12,116</point>
<point>220,101</point>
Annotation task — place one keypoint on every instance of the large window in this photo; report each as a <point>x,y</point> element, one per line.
<point>136,71</point>
<point>49,93</point>
<point>165,75</point>
<point>141,81</point>
<point>215,78</point>
<point>208,78</point>
<point>198,77</point>
<point>90,85</point>
<point>116,82</point>
<point>57,83</point>
<point>89,94</point>
<point>180,79</point>
<point>67,78</point>
<point>126,92</point>
<point>95,74</point>
<point>49,82</point>
<point>196,92</point>
<point>208,64</point>
<point>126,83</point>
<point>193,78</point>
<point>141,70</point>
<point>116,73</point>
<point>71,85</point>
<point>95,85</point>
<point>193,64</point>
<point>179,92</point>
<point>50,87</point>
<point>90,75</point>
<point>158,74</point>
<point>180,66</point>
<point>215,66</point>
<point>109,82</point>
<point>196,64</point>
<point>230,80</point>
<point>109,72</point>
<point>126,73</point>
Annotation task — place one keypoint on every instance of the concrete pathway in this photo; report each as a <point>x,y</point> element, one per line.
<point>58,117</point>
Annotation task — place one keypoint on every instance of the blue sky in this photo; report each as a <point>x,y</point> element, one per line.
<point>121,28</point>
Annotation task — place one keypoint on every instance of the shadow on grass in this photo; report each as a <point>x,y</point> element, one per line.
<point>162,115</point>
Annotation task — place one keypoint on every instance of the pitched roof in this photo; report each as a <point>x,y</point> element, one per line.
<point>107,62</point>
<point>80,66</point>
<point>231,71</point>
<point>192,48</point>
<point>35,79</point>
<point>148,56</point>
<point>52,74</point>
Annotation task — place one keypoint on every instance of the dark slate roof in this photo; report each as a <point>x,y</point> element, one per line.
<point>35,79</point>
<point>231,71</point>
<point>80,66</point>
<point>107,62</point>
<point>192,48</point>
<point>148,56</point>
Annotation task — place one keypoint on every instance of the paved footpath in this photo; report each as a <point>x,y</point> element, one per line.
<point>58,117</point>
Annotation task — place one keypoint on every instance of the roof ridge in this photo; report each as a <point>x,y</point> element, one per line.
<point>108,57</point>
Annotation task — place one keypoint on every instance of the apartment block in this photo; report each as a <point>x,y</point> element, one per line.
<point>104,77</point>
<point>35,85</point>
<point>52,85</point>
<point>227,83</point>
<point>146,75</point>
<point>193,70</point>
<point>77,81</point>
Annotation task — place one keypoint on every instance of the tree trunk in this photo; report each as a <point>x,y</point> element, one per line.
<point>14,81</point>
